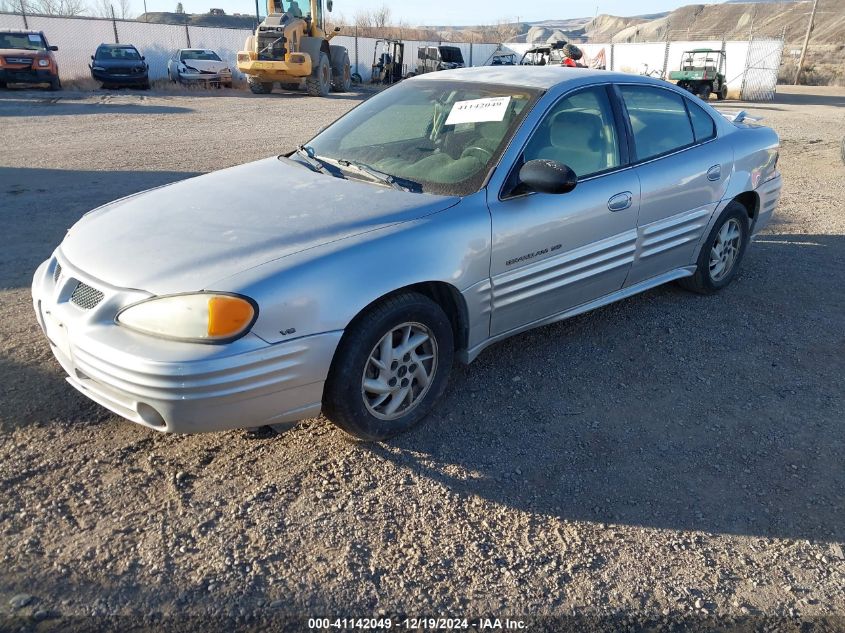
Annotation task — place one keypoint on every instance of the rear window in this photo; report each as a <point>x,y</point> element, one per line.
<point>659,120</point>
<point>23,41</point>
<point>702,124</point>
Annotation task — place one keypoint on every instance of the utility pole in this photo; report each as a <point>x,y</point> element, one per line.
<point>806,41</point>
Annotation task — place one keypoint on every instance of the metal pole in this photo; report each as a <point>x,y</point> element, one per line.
<point>806,42</point>
<point>257,17</point>
<point>187,35</point>
<point>114,25</point>
<point>146,17</point>
<point>23,15</point>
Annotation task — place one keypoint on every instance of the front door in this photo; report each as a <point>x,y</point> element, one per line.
<point>554,252</point>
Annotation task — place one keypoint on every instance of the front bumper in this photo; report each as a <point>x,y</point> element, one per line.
<point>119,79</point>
<point>279,69</point>
<point>26,75</point>
<point>205,78</point>
<point>173,386</point>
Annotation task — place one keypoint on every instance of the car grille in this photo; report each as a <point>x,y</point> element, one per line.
<point>85,296</point>
<point>57,273</point>
<point>26,61</point>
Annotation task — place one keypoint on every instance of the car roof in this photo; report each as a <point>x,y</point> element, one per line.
<point>117,46</point>
<point>542,77</point>
<point>22,31</point>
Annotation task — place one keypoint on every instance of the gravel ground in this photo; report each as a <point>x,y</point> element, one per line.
<point>668,461</point>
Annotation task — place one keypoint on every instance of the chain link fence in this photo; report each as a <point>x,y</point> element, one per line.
<point>78,38</point>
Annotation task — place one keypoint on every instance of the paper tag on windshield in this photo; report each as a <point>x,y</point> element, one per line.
<point>34,37</point>
<point>478,110</point>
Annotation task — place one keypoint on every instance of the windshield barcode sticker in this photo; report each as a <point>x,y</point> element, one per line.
<point>478,110</point>
<point>34,37</point>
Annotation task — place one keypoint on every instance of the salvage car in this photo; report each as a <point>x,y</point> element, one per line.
<point>438,217</point>
<point>199,66</point>
<point>119,65</point>
<point>26,57</point>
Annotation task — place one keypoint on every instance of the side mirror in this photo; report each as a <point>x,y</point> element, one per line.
<point>53,48</point>
<point>546,176</point>
<point>92,57</point>
<point>143,58</point>
<point>329,5</point>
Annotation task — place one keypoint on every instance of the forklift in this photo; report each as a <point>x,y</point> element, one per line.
<point>388,66</point>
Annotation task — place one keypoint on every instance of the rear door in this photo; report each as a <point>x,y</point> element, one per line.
<point>683,168</point>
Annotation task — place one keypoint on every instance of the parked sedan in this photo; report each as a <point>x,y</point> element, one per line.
<point>117,65</point>
<point>199,66</point>
<point>438,217</point>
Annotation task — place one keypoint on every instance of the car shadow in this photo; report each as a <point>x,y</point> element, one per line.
<point>671,410</point>
<point>34,225</point>
<point>791,98</point>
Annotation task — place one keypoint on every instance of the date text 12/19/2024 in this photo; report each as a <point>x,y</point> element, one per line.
<point>416,624</point>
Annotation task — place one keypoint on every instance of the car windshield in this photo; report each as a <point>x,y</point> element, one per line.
<point>293,7</point>
<point>443,136</point>
<point>118,53</point>
<point>24,41</point>
<point>451,54</point>
<point>208,55</point>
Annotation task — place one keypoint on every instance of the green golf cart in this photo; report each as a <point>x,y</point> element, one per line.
<point>702,73</point>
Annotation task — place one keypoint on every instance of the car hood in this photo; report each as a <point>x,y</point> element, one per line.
<point>206,65</point>
<point>17,52</point>
<point>119,63</point>
<point>185,236</point>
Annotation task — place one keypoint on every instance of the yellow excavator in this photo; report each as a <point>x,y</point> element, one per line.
<point>290,46</point>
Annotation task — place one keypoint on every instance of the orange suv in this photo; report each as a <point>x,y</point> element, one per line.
<point>25,57</point>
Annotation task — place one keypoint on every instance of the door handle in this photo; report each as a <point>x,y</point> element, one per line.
<point>714,173</point>
<point>620,201</point>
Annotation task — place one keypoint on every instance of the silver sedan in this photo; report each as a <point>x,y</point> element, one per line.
<point>199,66</point>
<point>442,215</point>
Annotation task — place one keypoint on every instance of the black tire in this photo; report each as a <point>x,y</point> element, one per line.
<point>703,92</point>
<point>356,78</point>
<point>259,87</point>
<point>723,93</point>
<point>343,400</point>
<point>702,281</point>
<point>55,83</point>
<point>2,85</point>
<point>319,82</point>
<point>342,81</point>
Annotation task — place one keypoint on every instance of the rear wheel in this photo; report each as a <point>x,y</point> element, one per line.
<point>342,81</point>
<point>259,87</point>
<point>723,93</point>
<point>319,82</point>
<point>703,92</point>
<point>390,368</point>
<point>721,253</point>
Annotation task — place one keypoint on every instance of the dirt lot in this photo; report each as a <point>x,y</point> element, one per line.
<point>665,458</point>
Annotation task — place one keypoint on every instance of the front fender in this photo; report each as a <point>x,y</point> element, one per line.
<point>322,289</point>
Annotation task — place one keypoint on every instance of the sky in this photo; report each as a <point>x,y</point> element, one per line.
<point>445,12</point>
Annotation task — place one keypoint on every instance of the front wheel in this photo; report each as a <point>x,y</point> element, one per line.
<point>259,87</point>
<point>390,368</point>
<point>319,82</point>
<point>703,92</point>
<point>55,84</point>
<point>721,253</point>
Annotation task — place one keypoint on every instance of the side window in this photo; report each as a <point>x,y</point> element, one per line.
<point>579,131</point>
<point>702,123</point>
<point>659,120</point>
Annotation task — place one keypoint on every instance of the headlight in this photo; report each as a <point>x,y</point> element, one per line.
<point>202,317</point>
<point>188,69</point>
<point>43,62</point>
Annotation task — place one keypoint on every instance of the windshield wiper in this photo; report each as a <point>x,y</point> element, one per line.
<point>402,184</point>
<point>306,152</point>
